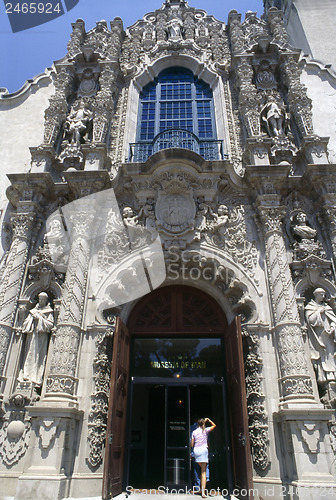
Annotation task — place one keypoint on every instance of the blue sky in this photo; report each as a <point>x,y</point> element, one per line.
<point>26,53</point>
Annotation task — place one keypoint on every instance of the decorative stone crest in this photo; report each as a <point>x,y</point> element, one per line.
<point>175,211</point>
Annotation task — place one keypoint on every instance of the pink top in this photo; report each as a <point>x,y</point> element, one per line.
<point>200,436</point>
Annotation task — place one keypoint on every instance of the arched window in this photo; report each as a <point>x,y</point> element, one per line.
<point>176,110</point>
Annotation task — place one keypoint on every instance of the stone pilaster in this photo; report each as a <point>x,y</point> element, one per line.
<point>296,383</point>
<point>243,71</point>
<point>61,381</point>
<point>10,286</point>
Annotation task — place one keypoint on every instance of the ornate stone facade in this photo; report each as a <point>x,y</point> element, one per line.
<point>248,217</point>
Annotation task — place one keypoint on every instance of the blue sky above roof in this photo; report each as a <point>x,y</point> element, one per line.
<point>27,53</point>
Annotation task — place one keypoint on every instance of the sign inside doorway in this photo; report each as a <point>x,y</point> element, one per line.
<point>177,357</point>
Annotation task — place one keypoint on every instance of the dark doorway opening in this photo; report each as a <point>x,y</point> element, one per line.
<point>161,420</point>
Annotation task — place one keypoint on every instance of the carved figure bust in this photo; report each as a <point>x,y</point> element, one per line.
<point>321,321</point>
<point>36,327</point>
<point>301,228</point>
<point>55,232</point>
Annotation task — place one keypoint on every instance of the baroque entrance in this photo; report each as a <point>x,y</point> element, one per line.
<point>183,362</point>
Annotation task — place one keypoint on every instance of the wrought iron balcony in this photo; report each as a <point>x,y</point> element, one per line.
<point>176,138</point>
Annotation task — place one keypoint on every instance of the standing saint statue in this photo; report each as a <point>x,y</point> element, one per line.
<point>321,321</point>
<point>77,123</point>
<point>274,118</point>
<point>37,327</point>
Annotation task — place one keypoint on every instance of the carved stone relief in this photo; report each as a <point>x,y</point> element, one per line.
<point>47,431</point>
<point>99,406</point>
<point>14,437</point>
<point>258,425</point>
<point>183,28</point>
<point>310,434</point>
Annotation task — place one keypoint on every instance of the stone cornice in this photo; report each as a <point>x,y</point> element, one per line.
<point>31,86</point>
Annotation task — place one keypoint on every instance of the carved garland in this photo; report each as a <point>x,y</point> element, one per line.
<point>258,427</point>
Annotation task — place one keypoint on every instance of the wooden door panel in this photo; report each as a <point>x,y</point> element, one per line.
<point>241,452</point>
<point>116,420</point>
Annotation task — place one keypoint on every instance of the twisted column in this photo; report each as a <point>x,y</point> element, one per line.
<point>296,382</point>
<point>10,286</point>
<point>61,380</point>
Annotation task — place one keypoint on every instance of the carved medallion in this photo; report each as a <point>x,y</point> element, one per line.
<point>175,212</point>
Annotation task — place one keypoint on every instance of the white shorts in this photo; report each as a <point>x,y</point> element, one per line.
<point>201,454</point>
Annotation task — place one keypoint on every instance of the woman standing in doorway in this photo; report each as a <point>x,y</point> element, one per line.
<point>199,442</point>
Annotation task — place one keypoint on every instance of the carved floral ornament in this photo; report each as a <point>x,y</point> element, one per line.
<point>271,218</point>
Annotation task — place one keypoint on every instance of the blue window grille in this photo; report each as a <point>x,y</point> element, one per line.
<point>176,110</point>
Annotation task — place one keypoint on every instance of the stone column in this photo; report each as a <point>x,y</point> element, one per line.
<point>296,383</point>
<point>10,286</point>
<point>61,382</point>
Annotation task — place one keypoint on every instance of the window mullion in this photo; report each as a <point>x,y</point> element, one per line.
<point>194,109</point>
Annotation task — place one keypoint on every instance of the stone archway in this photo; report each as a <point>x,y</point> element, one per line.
<point>182,312</point>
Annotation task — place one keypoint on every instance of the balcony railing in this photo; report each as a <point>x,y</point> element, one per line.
<point>176,138</point>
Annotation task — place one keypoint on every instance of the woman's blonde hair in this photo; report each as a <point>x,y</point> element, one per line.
<point>201,423</point>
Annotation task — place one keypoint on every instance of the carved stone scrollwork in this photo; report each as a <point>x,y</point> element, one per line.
<point>56,112</point>
<point>227,230</point>
<point>236,32</point>
<point>277,27</point>
<point>258,426</point>
<point>183,29</point>
<point>99,398</point>
<point>300,104</point>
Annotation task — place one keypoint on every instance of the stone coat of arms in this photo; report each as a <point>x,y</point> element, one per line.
<point>175,212</point>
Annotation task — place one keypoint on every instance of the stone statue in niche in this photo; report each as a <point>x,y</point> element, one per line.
<point>36,327</point>
<point>321,320</point>
<point>175,29</point>
<point>274,118</point>
<point>77,125</point>
<point>56,242</point>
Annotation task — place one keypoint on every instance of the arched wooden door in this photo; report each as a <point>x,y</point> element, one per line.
<point>179,311</point>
